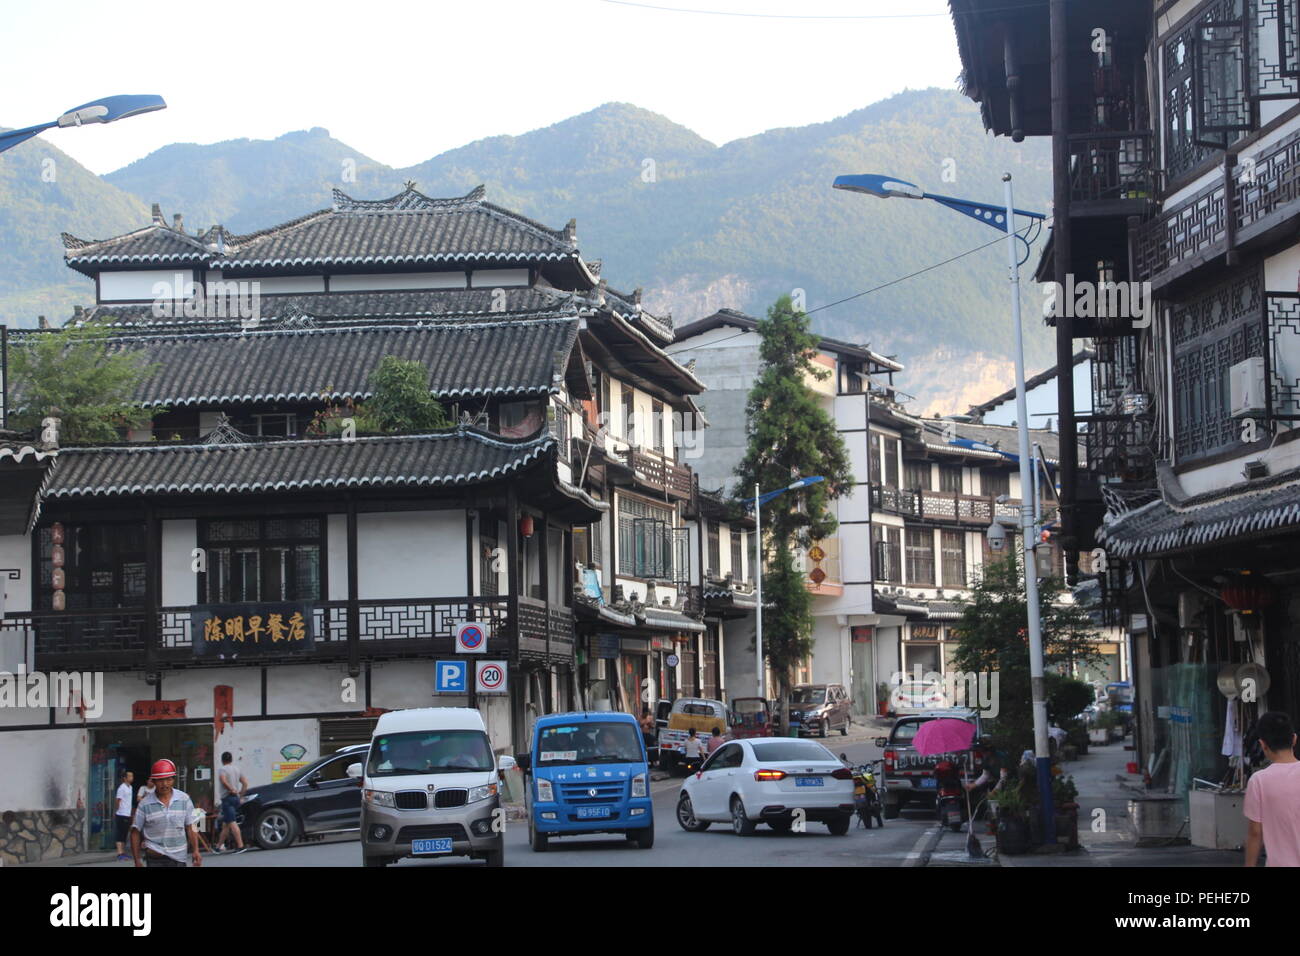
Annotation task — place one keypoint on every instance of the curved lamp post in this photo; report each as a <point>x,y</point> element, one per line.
<point>1001,217</point>
<point>105,110</point>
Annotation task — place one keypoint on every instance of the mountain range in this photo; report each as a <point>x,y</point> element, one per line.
<point>698,226</point>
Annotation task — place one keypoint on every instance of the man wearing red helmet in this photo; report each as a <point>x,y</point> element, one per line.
<point>164,823</point>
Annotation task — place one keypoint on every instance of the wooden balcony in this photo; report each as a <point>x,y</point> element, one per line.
<point>943,507</point>
<point>417,628</point>
<point>1111,174</point>
<point>1254,205</point>
<point>657,473</point>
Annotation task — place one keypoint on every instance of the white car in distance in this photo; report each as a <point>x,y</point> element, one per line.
<point>774,780</point>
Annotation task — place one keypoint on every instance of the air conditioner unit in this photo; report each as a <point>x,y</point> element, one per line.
<point>1248,388</point>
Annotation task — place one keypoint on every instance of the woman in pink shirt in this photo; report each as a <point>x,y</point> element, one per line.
<point>1272,805</point>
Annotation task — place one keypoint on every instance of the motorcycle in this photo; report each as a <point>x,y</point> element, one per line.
<point>867,799</point>
<point>949,804</point>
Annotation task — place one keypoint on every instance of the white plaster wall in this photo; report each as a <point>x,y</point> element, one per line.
<point>282,285</point>
<point>412,280</point>
<point>310,689</point>
<point>180,585</point>
<point>256,746</point>
<point>491,278</point>
<point>195,687</point>
<point>44,769</point>
<point>16,552</point>
<point>411,554</point>
<point>336,550</point>
<point>138,286</point>
<point>403,684</point>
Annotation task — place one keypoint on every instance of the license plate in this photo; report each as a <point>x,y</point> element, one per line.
<point>427,847</point>
<point>592,813</point>
<point>809,782</point>
<point>928,782</point>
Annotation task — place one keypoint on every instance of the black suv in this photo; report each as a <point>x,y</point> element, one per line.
<point>319,798</point>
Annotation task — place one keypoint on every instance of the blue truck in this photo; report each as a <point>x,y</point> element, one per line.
<point>587,773</point>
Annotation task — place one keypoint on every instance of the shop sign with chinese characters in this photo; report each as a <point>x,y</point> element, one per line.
<point>158,710</point>
<point>228,631</point>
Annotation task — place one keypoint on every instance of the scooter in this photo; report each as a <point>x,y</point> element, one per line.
<point>949,805</point>
<point>867,800</point>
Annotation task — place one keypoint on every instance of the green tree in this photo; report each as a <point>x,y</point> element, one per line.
<point>75,375</point>
<point>993,636</point>
<point>400,402</point>
<point>790,436</point>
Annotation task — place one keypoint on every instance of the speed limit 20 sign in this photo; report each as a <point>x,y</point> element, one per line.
<point>490,677</point>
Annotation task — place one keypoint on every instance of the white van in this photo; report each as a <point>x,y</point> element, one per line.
<point>430,788</point>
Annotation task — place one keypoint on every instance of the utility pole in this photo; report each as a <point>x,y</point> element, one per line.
<point>1028,539</point>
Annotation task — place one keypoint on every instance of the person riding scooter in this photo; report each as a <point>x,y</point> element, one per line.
<point>692,753</point>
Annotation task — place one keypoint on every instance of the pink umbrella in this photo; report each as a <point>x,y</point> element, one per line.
<point>947,735</point>
<point>944,735</point>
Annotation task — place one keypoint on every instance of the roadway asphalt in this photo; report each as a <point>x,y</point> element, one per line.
<point>902,842</point>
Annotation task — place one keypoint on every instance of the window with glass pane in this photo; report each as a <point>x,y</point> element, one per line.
<point>657,425</point>
<point>954,559</point>
<point>950,479</point>
<point>715,549</point>
<point>994,481</point>
<point>920,556</point>
<point>916,475</point>
<point>103,566</point>
<point>889,566</point>
<point>261,559</point>
<point>737,556</point>
<point>891,462</point>
<point>644,538</point>
<point>876,467</point>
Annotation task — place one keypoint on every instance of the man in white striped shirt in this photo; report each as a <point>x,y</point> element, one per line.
<point>163,826</point>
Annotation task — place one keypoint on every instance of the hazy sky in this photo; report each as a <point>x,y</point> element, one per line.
<point>402,82</point>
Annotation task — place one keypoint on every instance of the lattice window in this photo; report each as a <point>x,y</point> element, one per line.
<point>1273,49</point>
<point>1200,63</point>
<point>1284,354</point>
<point>1211,333</point>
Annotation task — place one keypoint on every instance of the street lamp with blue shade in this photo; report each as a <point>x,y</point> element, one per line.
<point>891,187</point>
<point>1001,217</point>
<point>106,110</point>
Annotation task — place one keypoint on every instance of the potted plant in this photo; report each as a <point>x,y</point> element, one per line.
<point>1110,722</point>
<point>1013,828</point>
<point>882,699</point>
<point>1065,796</point>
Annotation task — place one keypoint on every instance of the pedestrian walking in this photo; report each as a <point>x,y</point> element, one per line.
<point>716,740</point>
<point>146,789</point>
<point>235,784</point>
<point>1272,805</point>
<point>122,812</point>
<point>163,827</point>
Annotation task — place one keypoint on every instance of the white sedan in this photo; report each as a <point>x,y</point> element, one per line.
<point>774,780</point>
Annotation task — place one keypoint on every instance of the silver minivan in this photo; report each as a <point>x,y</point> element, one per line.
<point>430,788</point>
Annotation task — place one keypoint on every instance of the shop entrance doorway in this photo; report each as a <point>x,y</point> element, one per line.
<point>189,746</point>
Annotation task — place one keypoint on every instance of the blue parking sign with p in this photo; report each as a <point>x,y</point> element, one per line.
<point>452,677</point>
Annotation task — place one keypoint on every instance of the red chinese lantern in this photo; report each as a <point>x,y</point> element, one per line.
<point>526,526</point>
<point>60,603</point>
<point>56,532</point>
<point>1247,596</point>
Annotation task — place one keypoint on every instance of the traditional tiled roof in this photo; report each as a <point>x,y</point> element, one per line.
<point>1005,438</point>
<point>521,357</point>
<point>154,244</point>
<point>347,307</point>
<point>407,228</point>
<point>442,459</point>
<point>1248,510</point>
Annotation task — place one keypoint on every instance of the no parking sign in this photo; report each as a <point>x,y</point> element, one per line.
<point>471,638</point>
<point>490,677</point>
